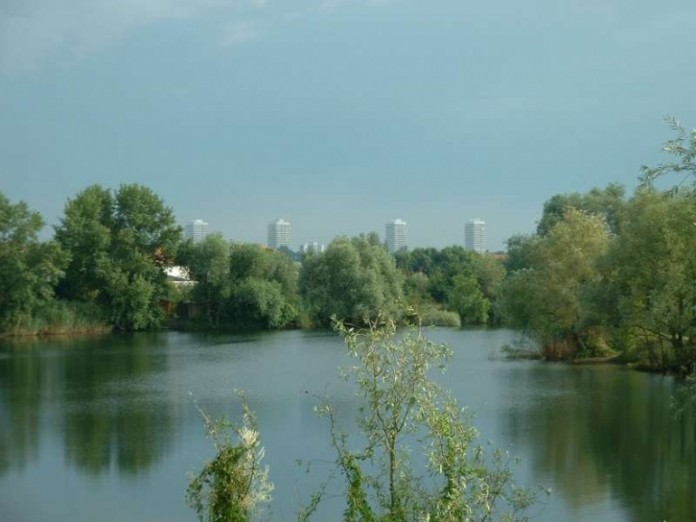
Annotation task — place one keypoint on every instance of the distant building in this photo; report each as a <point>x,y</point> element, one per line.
<point>179,276</point>
<point>279,234</point>
<point>312,247</point>
<point>396,235</point>
<point>475,235</point>
<point>196,230</point>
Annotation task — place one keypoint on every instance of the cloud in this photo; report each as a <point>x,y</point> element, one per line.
<point>36,32</point>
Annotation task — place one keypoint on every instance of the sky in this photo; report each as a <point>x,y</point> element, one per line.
<point>340,115</point>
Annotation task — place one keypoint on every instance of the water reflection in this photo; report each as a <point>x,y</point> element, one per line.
<point>598,431</point>
<point>83,414</point>
<point>22,380</point>
<point>111,416</point>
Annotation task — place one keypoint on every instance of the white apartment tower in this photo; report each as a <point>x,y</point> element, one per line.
<point>279,234</point>
<point>196,230</point>
<point>396,235</point>
<point>475,236</point>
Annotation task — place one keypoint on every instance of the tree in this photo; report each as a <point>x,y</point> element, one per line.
<point>653,278</point>
<point>453,278</point>
<point>353,279</point>
<point>521,252</point>
<point>242,285</point>
<point>466,298</point>
<point>86,232</point>
<point>261,303</point>
<point>29,269</point>
<point>403,407</point>
<point>208,264</point>
<point>263,287</point>
<point>119,243</point>
<point>549,298</point>
<point>683,147</point>
<point>402,410</point>
<point>607,203</point>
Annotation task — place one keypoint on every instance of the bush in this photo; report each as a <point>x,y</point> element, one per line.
<point>432,316</point>
<point>234,485</point>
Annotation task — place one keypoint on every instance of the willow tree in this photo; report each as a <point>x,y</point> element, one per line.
<point>654,277</point>
<point>416,456</point>
<point>549,297</point>
<point>354,279</point>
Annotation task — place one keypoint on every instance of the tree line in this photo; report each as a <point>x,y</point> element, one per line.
<point>610,275</point>
<point>604,273</point>
<point>106,266</point>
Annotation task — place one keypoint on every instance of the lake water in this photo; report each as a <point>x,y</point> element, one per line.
<point>106,428</point>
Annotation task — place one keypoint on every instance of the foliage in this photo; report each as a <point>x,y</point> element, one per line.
<point>651,281</point>
<point>463,281</point>
<point>353,279</point>
<point>58,316</point>
<point>119,243</point>
<point>549,299</point>
<point>241,284</point>
<point>467,300</point>
<point>431,315</point>
<point>261,302</point>
<point>403,406</point>
<point>685,398</point>
<point>683,147</point>
<point>606,203</point>
<point>234,485</point>
<point>208,264</point>
<point>29,269</point>
<point>521,252</point>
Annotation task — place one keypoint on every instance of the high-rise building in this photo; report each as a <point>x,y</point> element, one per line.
<point>312,247</point>
<point>279,234</point>
<point>475,235</point>
<point>396,235</point>
<point>196,230</point>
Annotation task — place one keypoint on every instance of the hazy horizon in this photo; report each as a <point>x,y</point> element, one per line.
<point>340,115</point>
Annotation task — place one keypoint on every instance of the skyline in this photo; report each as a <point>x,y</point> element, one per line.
<point>338,114</point>
<point>298,244</point>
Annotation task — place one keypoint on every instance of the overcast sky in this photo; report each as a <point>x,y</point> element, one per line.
<point>339,115</point>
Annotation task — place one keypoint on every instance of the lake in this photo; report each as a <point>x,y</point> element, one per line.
<point>107,428</point>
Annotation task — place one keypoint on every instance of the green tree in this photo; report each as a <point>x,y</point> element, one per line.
<point>261,303</point>
<point>607,203</point>
<point>29,268</point>
<point>683,148</point>
<point>404,410</point>
<point>263,287</point>
<point>438,277</point>
<point>466,298</point>
<point>521,252</point>
<point>242,285</point>
<point>119,243</point>
<point>353,279</point>
<point>208,264</point>
<point>653,277</point>
<point>86,233</point>
<point>549,298</point>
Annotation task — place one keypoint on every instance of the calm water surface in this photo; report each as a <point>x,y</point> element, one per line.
<point>106,429</point>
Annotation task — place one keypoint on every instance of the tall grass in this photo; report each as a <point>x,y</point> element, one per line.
<point>58,317</point>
